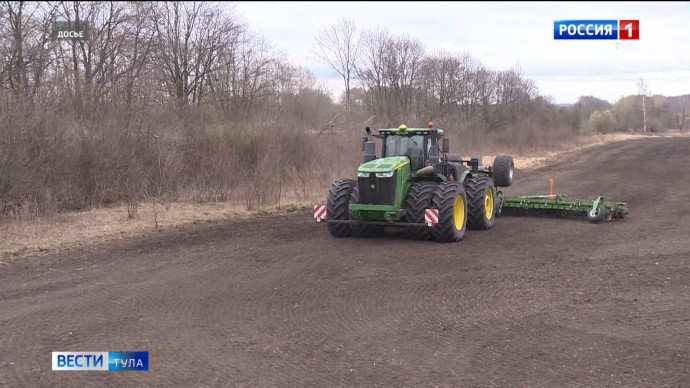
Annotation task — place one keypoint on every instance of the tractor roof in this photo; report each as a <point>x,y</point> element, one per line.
<point>410,131</point>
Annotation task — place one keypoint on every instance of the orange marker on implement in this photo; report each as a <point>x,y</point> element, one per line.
<point>550,186</point>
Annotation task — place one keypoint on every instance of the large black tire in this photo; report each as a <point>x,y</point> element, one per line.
<point>364,230</point>
<point>337,207</point>
<point>451,202</point>
<point>503,169</point>
<point>481,201</point>
<point>419,198</point>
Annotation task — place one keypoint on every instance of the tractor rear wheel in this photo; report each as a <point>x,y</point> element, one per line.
<point>451,202</point>
<point>364,230</point>
<point>418,199</point>
<point>481,201</point>
<point>503,169</point>
<point>337,207</point>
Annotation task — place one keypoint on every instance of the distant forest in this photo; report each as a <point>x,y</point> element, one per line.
<point>182,101</point>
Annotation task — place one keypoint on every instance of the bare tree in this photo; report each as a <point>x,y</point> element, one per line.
<point>136,48</point>
<point>371,70</point>
<point>484,96</point>
<point>189,36</point>
<point>388,69</point>
<point>513,95</point>
<point>337,46</point>
<point>446,80</point>
<point>643,91</point>
<point>94,66</point>
<point>24,57</point>
<point>243,76</point>
<point>405,59</point>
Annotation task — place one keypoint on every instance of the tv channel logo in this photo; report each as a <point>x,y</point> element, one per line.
<point>101,361</point>
<point>596,29</point>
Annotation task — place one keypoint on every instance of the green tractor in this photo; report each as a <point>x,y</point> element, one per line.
<point>417,185</point>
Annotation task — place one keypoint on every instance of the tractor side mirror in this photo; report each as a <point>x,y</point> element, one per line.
<point>445,145</point>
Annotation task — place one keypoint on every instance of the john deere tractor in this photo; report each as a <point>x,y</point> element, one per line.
<point>417,185</point>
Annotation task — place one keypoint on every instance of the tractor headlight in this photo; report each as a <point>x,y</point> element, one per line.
<point>384,174</point>
<point>362,174</point>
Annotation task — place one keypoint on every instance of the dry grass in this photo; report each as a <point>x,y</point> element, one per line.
<point>50,234</point>
<point>31,236</point>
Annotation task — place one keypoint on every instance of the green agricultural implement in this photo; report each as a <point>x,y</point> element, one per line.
<point>595,210</point>
<point>416,184</point>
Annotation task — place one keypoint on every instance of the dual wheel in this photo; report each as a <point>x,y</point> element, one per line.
<point>459,208</point>
<point>343,192</point>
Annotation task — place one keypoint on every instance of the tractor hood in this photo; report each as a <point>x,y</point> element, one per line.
<point>391,163</point>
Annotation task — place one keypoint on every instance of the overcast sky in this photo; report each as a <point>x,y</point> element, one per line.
<point>503,35</point>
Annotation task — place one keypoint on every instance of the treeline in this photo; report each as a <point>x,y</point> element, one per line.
<point>632,113</point>
<point>174,100</point>
<point>395,79</point>
<point>441,86</point>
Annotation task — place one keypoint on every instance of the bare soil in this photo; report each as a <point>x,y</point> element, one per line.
<point>276,301</point>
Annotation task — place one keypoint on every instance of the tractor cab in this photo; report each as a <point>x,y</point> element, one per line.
<point>415,144</point>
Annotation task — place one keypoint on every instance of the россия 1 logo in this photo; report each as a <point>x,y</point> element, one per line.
<point>596,29</point>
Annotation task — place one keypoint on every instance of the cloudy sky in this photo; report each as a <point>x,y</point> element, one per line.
<point>503,35</point>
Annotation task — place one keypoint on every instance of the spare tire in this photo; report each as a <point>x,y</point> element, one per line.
<point>502,170</point>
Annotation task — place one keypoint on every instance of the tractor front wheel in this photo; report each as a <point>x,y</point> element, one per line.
<point>481,202</point>
<point>451,202</point>
<point>418,199</point>
<point>337,207</point>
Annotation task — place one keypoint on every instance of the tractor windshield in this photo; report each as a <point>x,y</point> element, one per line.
<point>410,146</point>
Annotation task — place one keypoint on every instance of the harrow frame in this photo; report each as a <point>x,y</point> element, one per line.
<point>596,210</point>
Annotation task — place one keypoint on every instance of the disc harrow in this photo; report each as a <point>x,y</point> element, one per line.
<point>560,205</point>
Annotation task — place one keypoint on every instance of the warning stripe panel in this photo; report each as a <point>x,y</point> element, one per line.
<point>431,216</point>
<point>320,212</point>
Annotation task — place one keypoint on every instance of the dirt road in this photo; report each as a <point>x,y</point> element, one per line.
<point>278,302</point>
